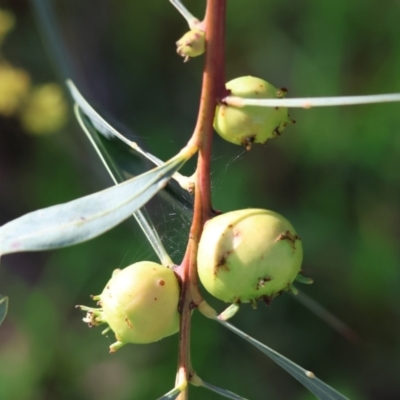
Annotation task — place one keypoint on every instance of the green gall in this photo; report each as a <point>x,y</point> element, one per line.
<point>191,44</point>
<point>139,303</point>
<point>251,124</point>
<point>247,255</point>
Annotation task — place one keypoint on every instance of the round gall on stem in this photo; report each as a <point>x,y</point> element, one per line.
<point>139,303</point>
<point>250,124</point>
<point>247,255</point>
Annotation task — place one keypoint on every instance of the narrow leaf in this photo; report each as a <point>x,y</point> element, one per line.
<point>87,217</point>
<point>308,102</point>
<point>319,388</point>
<point>103,127</point>
<point>124,157</point>
<point>141,215</point>
<point>222,392</point>
<point>326,316</point>
<point>171,395</point>
<point>52,37</point>
<point>191,20</point>
<point>3,308</point>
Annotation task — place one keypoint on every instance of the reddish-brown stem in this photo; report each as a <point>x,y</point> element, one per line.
<point>213,89</point>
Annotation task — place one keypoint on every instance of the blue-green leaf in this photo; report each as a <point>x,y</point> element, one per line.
<point>326,316</point>
<point>3,308</point>
<point>220,391</point>
<point>103,127</point>
<point>123,156</point>
<point>141,215</point>
<point>85,218</point>
<point>308,102</point>
<point>319,388</point>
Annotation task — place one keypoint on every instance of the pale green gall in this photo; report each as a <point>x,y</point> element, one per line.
<point>247,255</point>
<point>251,124</point>
<point>139,303</point>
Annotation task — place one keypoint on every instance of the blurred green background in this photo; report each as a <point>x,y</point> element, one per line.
<point>335,175</point>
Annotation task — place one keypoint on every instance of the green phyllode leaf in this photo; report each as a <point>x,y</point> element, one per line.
<point>85,218</point>
<point>3,308</point>
<point>191,20</point>
<point>103,127</point>
<point>122,154</point>
<point>322,313</point>
<point>117,175</point>
<point>320,389</point>
<point>309,102</point>
<point>223,392</point>
<point>120,157</point>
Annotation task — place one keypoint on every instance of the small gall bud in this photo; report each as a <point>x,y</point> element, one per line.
<point>191,44</point>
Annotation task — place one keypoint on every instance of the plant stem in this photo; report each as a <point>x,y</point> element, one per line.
<point>213,89</point>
